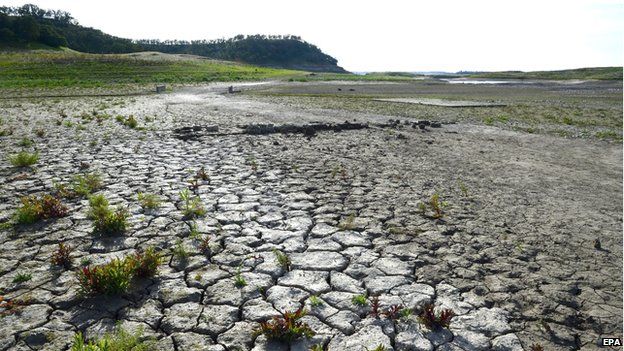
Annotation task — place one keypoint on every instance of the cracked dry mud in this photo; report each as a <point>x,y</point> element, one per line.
<point>513,255</point>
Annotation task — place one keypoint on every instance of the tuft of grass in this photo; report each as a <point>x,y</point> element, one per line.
<point>432,320</point>
<point>115,277</point>
<point>286,327</point>
<point>112,223</point>
<point>148,201</point>
<point>24,159</point>
<point>239,280</point>
<point>179,251</point>
<point>106,221</point>
<point>282,259</point>
<point>129,121</point>
<point>112,278</point>
<point>22,278</point>
<point>315,301</point>
<point>26,142</point>
<point>83,185</point>
<point>35,208</point>
<point>61,257</point>
<point>347,223</point>
<point>119,340</point>
<point>145,264</point>
<point>192,206</point>
<point>359,300</point>
<point>463,188</point>
<point>98,206</point>
<point>80,186</point>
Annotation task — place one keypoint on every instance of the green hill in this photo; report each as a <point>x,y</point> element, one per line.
<point>29,26</point>
<point>601,73</point>
<point>67,68</point>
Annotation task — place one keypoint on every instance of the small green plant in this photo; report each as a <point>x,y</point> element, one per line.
<point>347,223</point>
<point>22,277</point>
<point>422,208</point>
<point>85,261</point>
<point>436,205</point>
<point>84,185</point>
<point>282,259</point>
<point>80,186</point>
<point>129,121</point>
<point>315,301</point>
<point>432,320</point>
<point>112,223</point>
<point>179,251</point>
<point>463,188</point>
<point>98,206</point>
<point>286,327</point>
<point>239,280</point>
<point>148,201</point>
<point>317,347</point>
<point>40,133</point>
<point>35,208</point>
<point>192,206</point>
<point>194,232</point>
<point>536,347</point>
<point>145,264</point>
<point>118,340</point>
<point>25,142</point>
<point>379,347</point>
<point>61,257</point>
<point>359,300</point>
<point>112,278</point>
<point>24,159</point>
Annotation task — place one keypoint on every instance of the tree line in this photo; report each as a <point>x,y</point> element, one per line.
<point>55,28</point>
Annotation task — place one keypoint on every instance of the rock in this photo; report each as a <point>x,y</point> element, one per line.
<point>239,337</point>
<point>215,319</point>
<point>369,337</point>
<point>314,282</point>
<point>181,317</point>
<point>318,260</point>
<point>507,342</point>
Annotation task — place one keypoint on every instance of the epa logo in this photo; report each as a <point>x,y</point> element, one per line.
<point>611,342</point>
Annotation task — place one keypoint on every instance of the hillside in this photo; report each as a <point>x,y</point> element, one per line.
<point>29,26</point>
<point>600,73</point>
<point>66,68</point>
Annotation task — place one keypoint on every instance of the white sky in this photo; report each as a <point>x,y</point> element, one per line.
<point>385,35</point>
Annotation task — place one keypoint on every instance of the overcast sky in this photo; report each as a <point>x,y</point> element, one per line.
<point>386,35</point>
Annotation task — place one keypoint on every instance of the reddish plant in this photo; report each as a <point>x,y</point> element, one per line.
<point>393,312</point>
<point>145,264</point>
<point>536,347</point>
<point>204,245</point>
<point>8,307</point>
<point>61,256</point>
<point>52,207</point>
<point>286,327</point>
<point>432,320</point>
<point>375,307</point>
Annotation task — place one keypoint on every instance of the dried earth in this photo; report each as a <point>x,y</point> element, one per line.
<point>513,255</point>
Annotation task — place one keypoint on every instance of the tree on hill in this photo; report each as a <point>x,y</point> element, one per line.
<point>31,24</point>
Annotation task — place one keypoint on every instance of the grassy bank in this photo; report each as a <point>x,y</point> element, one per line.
<point>52,69</point>
<point>599,73</point>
